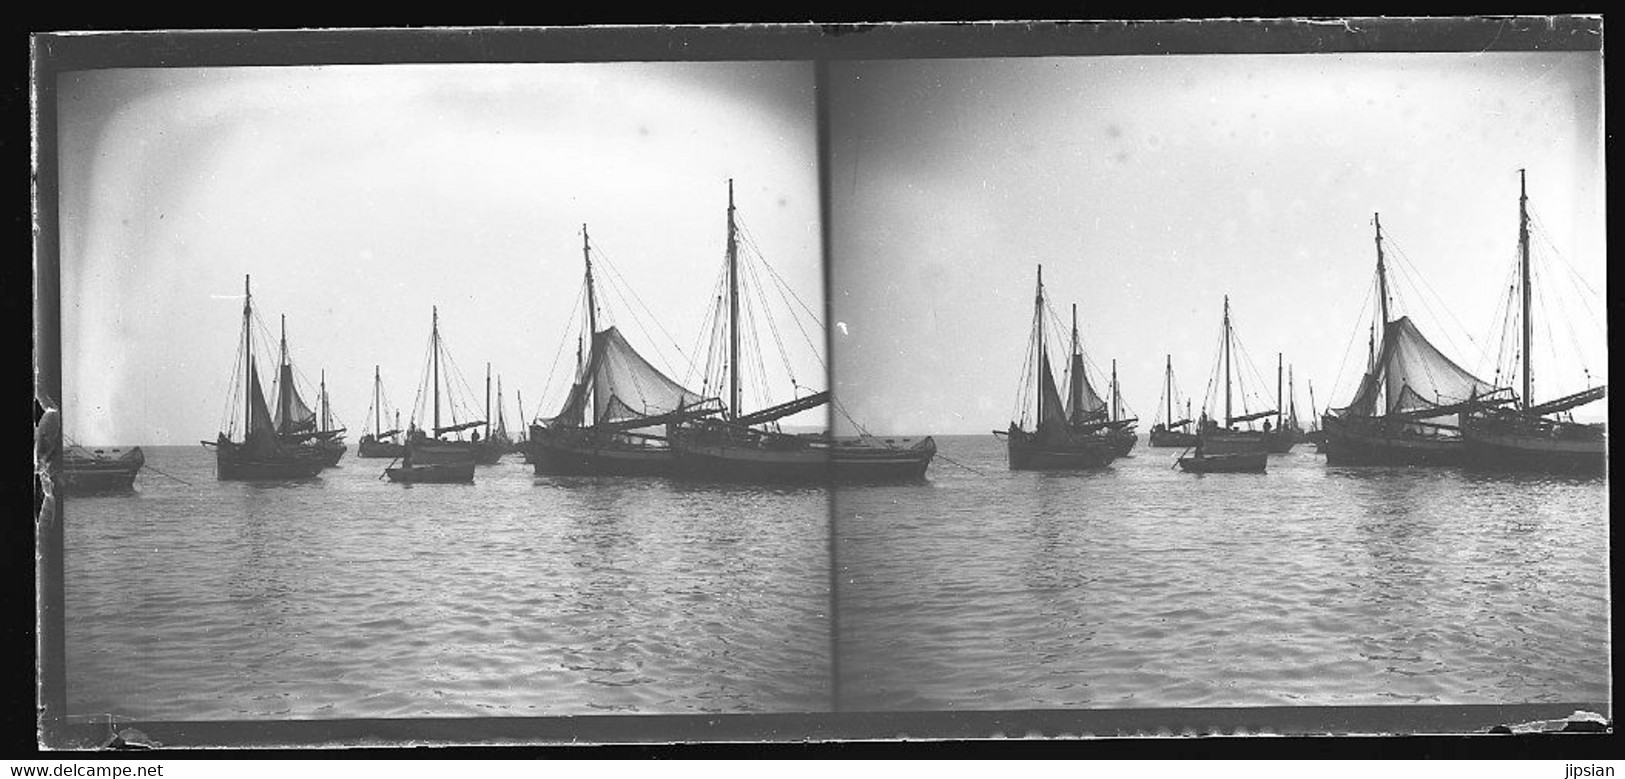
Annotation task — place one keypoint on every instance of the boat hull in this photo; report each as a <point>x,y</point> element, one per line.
<point>1026,454</point>
<point>877,460</point>
<point>81,475</point>
<point>425,451</point>
<point>232,464</point>
<point>438,473</point>
<point>1365,442</point>
<point>1236,462</point>
<point>1122,442</point>
<point>572,453</point>
<point>725,461</point>
<point>1172,438</point>
<point>370,448</point>
<point>1493,446</point>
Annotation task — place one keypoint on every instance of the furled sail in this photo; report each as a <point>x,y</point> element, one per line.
<point>291,415</point>
<point>625,387</point>
<point>1412,375</point>
<point>1083,404</point>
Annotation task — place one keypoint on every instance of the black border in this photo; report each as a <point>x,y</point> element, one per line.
<point>1058,733</point>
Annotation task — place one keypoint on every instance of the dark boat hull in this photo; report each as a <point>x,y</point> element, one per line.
<point>1122,442</point>
<point>435,452</point>
<point>438,473</point>
<point>716,461</point>
<point>232,464</point>
<point>379,449</point>
<point>1554,449</point>
<point>882,460</point>
<point>1172,438</point>
<point>1027,455</point>
<point>1367,442</point>
<point>102,474</point>
<point>331,452</point>
<point>1280,443</point>
<point>1238,462</point>
<point>554,454</point>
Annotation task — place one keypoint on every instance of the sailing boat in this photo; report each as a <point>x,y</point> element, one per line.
<point>1121,431</point>
<point>1061,438</point>
<point>1532,436</point>
<point>738,446</point>
<point>429,448</point>
<point>1286,432</point>
<point>261,453</point>
<point>521,445</point>
<point>296,422</point>
<point>87,471</point>
<point>1172,432</point>
<point>1227,449</point>
<point>378,442</point>
<point>627,399</point>
<point>497,442</point>
<point>1391,419</point>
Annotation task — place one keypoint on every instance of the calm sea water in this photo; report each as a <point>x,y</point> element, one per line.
<point>1135,586</point>
<point>351,597</point>
<point>1143,586</point>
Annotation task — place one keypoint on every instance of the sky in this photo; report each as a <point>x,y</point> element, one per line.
<point>358,197</point>
<point>1150,187</point>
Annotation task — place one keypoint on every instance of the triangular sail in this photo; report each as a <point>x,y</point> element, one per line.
<point>291,415</point>
<point>1410,375</point>
<point>1083,404</point>
<point>624,385</point>
<point>260,438</point>
<point>1053,417</point>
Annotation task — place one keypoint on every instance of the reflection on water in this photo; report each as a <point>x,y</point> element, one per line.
<point>348,596</point>
<point>1141,586</point>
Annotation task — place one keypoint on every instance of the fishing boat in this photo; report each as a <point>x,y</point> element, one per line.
<point>1121,430</point>
<point>1411,394</point>
<point>297,423</point>
<point>521,444</point>
<point>1168,431</point>
<point>1060,437</point>
<point>87,471</point>
<point>1286,433</point>
<point>1526,435</point>
<point>431,447</point>
<point>261,453</point>
<point>613,420</point>
<point>432,473</point>
<point>731,445</point>
<point>376,442</point>
<point>1229,448</point>
<point>496,442</point>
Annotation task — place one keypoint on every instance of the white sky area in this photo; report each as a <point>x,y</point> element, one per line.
<point>357,197</point>
<point>1150,187</point>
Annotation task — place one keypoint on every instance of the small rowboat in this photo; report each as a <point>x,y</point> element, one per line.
<point>433,473</point>
<point>1237,462</point>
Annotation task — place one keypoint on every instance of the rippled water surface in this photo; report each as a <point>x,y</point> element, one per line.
<point>350,597</point>
<point>1143,586</point>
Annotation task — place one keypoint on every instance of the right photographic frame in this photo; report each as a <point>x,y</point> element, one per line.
<point>1266,389</point>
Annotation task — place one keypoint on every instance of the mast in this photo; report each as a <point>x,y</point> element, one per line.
<point>377,410</point>
<point>326,423</point>
<point>1523,264</point>
<point>283,399</point>
<point>248,361</point>
<point>1312,411</point>
<point>1291,397</point>
<point>1038,324</point>
<point>522,419</point>
<point>1279,406</point>
<point>434,350</point>
<point>1382,274</point>
<point>488,401</point>
<point>1168,390</point>
<point>1227,361</point>
<point>592,326</point>
<point>1115,403</point>
<point>733,310</point>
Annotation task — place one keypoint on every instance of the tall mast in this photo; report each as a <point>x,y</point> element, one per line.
<point>1227,361</point>
<point>488,401</point>
<point>1312,408</point>
<point>1279,406</point>
<point>1168,390</point>
<point>1074,390</point>
<point>377,409</point>
<point>1371,352</point>
<point>592,318</point>
<point>521,396</point>
<point>1382,274</point>
<point>248,361</point>
<point>500,420</point>
<point>733,310</point>
<point>1291,397</point>
<point>1523,262</point>
<point>283,400</point>
<point>434,349</point>
<point>326,423</point>
<point>1115,402</point>
<point>1038,323</point>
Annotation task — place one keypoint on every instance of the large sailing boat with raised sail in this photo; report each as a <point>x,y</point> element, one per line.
<point>610,424</point>
<point>1534,436</point>
<point>261,453</point>
<point>1411,393</point>
<point>1227,448</point>
<point>739,446</point>
<point>1061,437</point>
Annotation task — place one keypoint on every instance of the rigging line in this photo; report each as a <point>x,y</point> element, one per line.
<point>1551,338</point>
<point>553,368</point>
<point>755,248</point>
<point>755,287</point>
<point>796,320</point>
<point>1417,276</point>
<point>1545,237</point>
<point>1574,275</point>
<point>635,304</point>
<point>1370,295</point>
